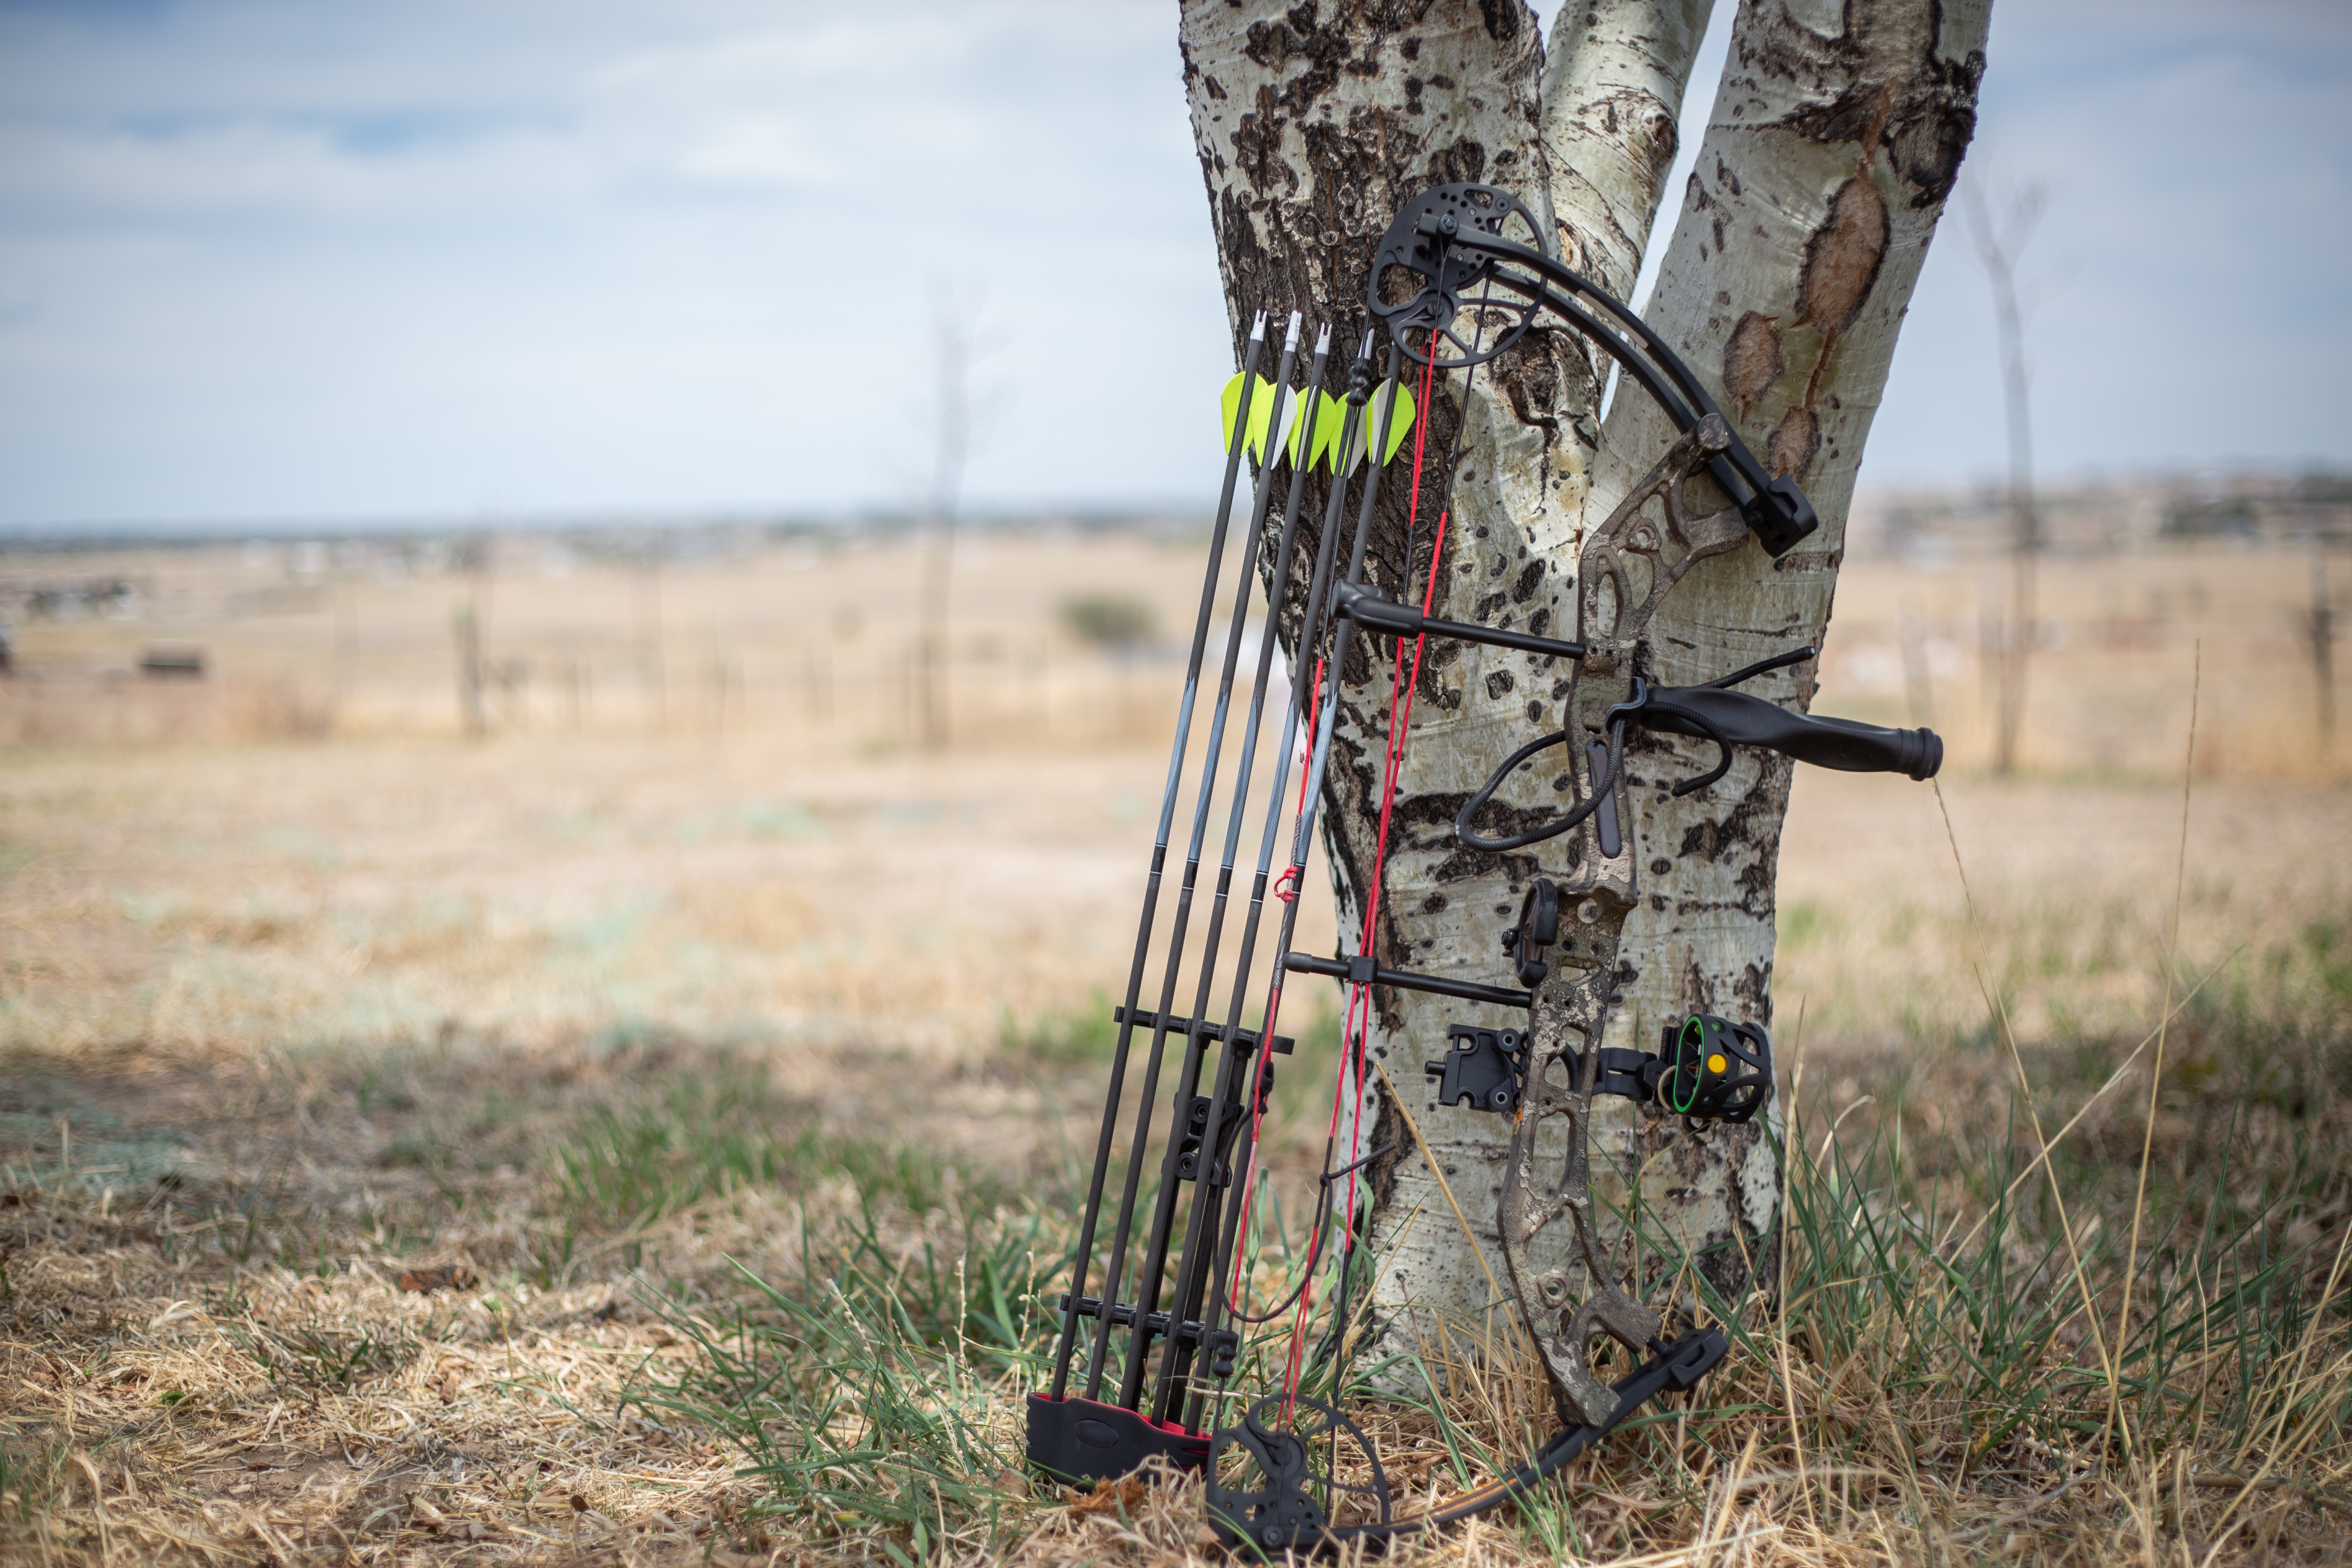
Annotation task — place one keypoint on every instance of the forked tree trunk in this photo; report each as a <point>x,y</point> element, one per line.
<point>1836,134</point>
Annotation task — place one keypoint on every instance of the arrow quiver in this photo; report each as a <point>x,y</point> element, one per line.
<point>1167,1317</point>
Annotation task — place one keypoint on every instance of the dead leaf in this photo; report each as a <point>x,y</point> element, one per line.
<point>1125,1496</point>
<point>440,1276</point>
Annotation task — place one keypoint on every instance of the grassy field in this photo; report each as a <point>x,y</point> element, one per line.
<point>642,1134</point>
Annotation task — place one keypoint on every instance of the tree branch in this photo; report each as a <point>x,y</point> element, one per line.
<point>1835,137</point>
<point>1612,96</point>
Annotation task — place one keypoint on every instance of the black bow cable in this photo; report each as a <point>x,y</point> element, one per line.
<point>1148,1102</point>
<point>1761,667</point>
<point>1604,786</point>
<point>1607,781</point>
<point>1321,1217</point>
<point>1068,1340</point>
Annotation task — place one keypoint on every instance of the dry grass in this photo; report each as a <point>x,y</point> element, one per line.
<point>672,1315</point>
<point>727,1069</point>
<point>243,1367</point>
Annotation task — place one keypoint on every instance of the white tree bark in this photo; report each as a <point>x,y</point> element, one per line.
<point>1836,133</point>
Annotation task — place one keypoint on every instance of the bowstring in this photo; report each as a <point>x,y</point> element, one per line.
<point>1351,1030</point>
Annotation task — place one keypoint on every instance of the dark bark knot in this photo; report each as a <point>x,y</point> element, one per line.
<point>1752,360</point>
<point>1503,18</point>
<point>1795,442</point>
<point>1900,95</point>
<point>1751,829</point>
<point>1843,257</point>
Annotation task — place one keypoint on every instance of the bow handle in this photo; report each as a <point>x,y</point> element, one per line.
<point>1735,719</point>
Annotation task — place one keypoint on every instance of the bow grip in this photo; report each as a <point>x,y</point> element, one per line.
<point>1847,745</point>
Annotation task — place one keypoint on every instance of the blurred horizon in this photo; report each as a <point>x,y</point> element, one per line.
<point>267,269</point>
<point>2267,504</point>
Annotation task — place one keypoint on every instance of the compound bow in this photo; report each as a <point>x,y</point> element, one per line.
<point>1265,1484</point>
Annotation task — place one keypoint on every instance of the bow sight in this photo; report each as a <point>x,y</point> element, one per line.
<point>1707,1069</point>
<point>1157,1348</point>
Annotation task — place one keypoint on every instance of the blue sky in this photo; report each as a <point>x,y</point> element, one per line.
<point>267,261</point>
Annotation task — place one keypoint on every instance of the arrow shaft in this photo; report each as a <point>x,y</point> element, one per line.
<point>1146,1102</point>
<point>1066,1345</point>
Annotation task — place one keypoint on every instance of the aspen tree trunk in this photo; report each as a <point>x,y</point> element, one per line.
<point>1836,134</point>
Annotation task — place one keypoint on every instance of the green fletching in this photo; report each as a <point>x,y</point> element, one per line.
<point>1261,413</point>
<point>1330,414</point>
<point>1398,425</point>
<point>1405,415</point>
